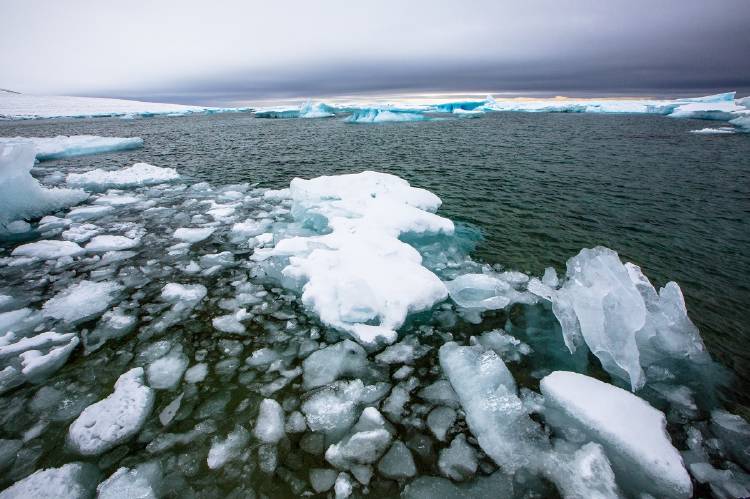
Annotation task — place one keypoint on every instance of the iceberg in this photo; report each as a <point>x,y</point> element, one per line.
<point>48,148</point>
<point>615,310</point>
<point>21,195</point>
<point>632,432</point>
<point>139,174</point>
<point>277,112</point>
<point>351,277</point>
<point>376,115</point>
<point>319,110</point>
<point>20,106</point>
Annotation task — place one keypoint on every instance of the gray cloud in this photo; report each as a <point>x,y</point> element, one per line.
<point>191,51</point>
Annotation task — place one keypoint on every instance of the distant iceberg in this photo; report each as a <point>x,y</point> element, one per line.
<point>376,115</point>
<point>319,110</point>
<point>63,146</point>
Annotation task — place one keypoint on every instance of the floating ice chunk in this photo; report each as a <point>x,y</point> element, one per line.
<point>111,243</point>
<point>168,414</point>
<point>89,212</point>
<point>115,419</point>
<point>72,480</point>
<point>80,233</point>
<point>343,486</point>
<point>49,250</point>
<point>586,472</point>
<point>459,461</point>
<point>734,432</point>
<point>429,487</point>
<point>333,362</point>
<point>262,357</point>
<point>742,121</point>
<point>440,420</point>
<point>250,228</point>
<point>196,373</point>
<point>397,463</point>
<point>509,348</point>
<point>117,199</point>
<point>494,412</point>
<point>723,483</point>
<point>406,351</point>
<point>230,323</point>
<point>37,366</point>
<point>362,447</point>
<point>375,115</point>
<point>322,479</point>
<point>632,432</point>
<point>333,408</point>
<point>621,317</point>
<point>484,292</point>
<point>223,451</point>
<point>64,146</point>
<point>714,131</point>
<point>352,277</point>
<point>166,372</point>
<point>45,340</point>
<point>114,324</point>
<point>174,292</point>
<point>21,195</point>
<point>81,301</point>
<point>440,393</point>
<point>193,235</point>
<point>137,175</point>
<point>269,427</point>
<point>141,482</point>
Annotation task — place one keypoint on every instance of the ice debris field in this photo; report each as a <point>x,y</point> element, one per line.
<point>163,338</point>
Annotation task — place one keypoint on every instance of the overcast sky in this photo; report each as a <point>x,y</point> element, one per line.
<point>228,51</point>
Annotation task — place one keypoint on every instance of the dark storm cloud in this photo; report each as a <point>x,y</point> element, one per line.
<point>234,51</point>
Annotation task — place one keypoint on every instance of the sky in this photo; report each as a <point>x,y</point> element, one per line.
<point>228,52</point>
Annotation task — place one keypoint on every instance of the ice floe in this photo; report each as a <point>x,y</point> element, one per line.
<point>115,419</point>
<point>21,106</point>
<point>63,146</point>
<point>350,276</point>
<point>632,432</point>
<point>137,175</point>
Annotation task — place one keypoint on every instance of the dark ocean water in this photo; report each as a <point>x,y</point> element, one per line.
<point>539,187</point>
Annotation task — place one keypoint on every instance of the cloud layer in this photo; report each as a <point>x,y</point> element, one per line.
<point>190,51</point>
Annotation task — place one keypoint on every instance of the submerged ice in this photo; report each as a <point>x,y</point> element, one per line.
<point>233,340</point>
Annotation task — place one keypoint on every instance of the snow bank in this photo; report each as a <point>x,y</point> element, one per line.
<point>616,311</point>
<point>137,175</point>
<point>20,106</point>
<point>632,432</point>
<point>376,115</point>
<point>63,146</point>
<point>115,419</point>
<point>21,195</point>
<point>359,277</point>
